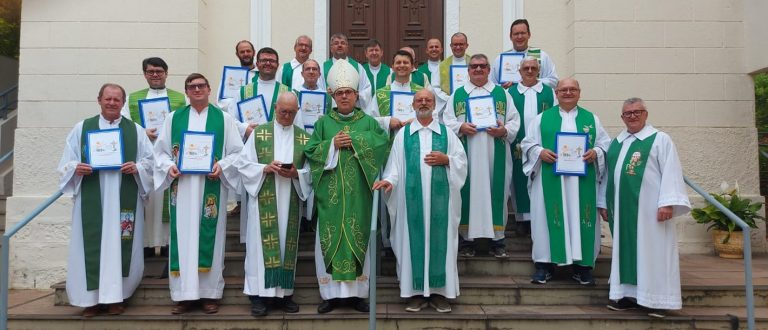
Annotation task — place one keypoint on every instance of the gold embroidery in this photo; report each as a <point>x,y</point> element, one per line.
<point>263,135</point>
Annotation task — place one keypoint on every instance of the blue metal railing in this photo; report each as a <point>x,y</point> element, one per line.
<point>6,156</point>
<point>750,297</point>
<point>5,248</point>
<point>8,100</point>
<point>372,259</point>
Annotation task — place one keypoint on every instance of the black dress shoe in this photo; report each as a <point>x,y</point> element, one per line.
<point>289,306</point>
<point>360,305</point>
<point>149,252</point>
<point>164,251</point>
<point>326,306</point>
<point>258,308</point>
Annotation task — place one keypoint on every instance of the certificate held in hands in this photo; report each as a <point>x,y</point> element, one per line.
<point>196,154</point>
<point>509,65</point>
<point>253,110</point>
<point>481,112</point>
<point>232,78</point>
<point>312,107</point>
<point>154,111</point>
<point>459,76</point>
<point>104,149</point>
<point>570,149</point>
<point>400,105</point>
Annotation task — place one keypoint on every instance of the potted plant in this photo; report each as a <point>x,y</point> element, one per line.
<point>727,236</point>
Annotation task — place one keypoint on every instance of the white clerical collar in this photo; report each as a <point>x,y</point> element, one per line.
<point>347,115</point>
<point>647,131</point>
<point>458,59</point>
<point>433,125</point>
<point>469,87</point>
<point>115,122</point>
<point>433,63</point>
<point>295,63</point>
<point>283,128</point>
<point>538,87</point>
<point>573,111</point>
<point>374,68</point>
<point>157,90</point>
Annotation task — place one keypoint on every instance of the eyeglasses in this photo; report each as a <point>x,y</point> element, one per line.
<point>478,66</point>
<point>529,68</point>
<point>267,61</point>
<point>569,90</point>
<point>154,72</point>
<point>344,92</point>
<point>311,68</point>
<point>286,113</point>
<point>195,87</point>
<point>632,114</point>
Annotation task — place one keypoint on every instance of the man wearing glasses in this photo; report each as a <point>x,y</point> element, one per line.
<point>156,215</point>
<point>345,152</point>
<point>487,188</point>
<point>291,72</point>
<point>198,199</point>
<point>642,191</point>
<point>564,226</point>
<point>441,78</point>
<point>519,34</point>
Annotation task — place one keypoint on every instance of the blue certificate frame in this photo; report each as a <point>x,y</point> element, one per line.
<point>253,99</point>
<point>570,162</point>
<point>325,103</point>
<point>392,96</point>
<point>450,74</point>
<point>181,152</point>
<point>469,113</point>
<point>89,157</point>
<point>501,63</point>
<point>146,101</point>
<point>224,75</point>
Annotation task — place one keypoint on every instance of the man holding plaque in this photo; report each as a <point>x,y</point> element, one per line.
<point>276,177</point>
<point>265,87</point>
<point>339,47</point>
<point>148,107</point>
<point>314,100</point>
<point>345,152</point>
<point>376,71</point>
<point>427,167</point>
<point>107,167</point>
<point>504,68</point>
<point>197,144</point>
<point>531,97</point>
<point>393,116</point>
<point>452,72</point>
<point>434,56</point>
<point>244,51</point>
<point>290,72</point>
<point>483,115</point>
<point>564,226</point>
<point>643,191</point>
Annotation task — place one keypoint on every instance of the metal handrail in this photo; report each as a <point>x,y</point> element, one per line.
<point>6,247</point>
<point>6,156</point>
<point>372,255</point>
<point>750,297</point>
<point>5,105</point>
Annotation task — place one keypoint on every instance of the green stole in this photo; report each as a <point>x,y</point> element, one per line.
<point>631,181</point>
<point>544,100</point>
<point>344,208</point>
<point>211,205</point>
<point>177,101</point>
<point>438,218</point>
<point>424,68</point>
<point>329,63</point>
<point>445,71</point>
<point>550,126</point>
<point>417,78</point>
<point>277,273</point>
<point>252,90</point>
<point>287,77</point>
<point>91,213</point>
<point>381,76</point>
<point>499,159</point>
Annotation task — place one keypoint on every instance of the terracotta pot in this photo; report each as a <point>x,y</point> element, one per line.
<point>734,249</point>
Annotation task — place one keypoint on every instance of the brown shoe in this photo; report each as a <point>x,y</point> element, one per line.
<point>182,307</point>
<point>115,309</point>
<point>210,306</point>
<point>91,311</point>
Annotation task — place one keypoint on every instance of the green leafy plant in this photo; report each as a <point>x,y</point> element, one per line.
<point>743,208</point>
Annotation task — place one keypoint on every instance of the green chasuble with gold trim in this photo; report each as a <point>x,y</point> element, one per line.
<point>344,197</point>
<point>279,269</point>
<point>551,122</point>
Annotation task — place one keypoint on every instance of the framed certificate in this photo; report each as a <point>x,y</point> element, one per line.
<point>253,110</point>
<point>196,154</point>
<point>232,78</point>
<point>313,106</point>
<point>104,149</point>
<point>481,112</point>
<point>401,105</point>
<point>509,65</point>
<point>459,76</point>
<point>154,111</point>
<point>570,149</point>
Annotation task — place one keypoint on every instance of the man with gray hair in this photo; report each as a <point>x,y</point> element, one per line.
<point>290,72</point>
<point>531,97</point>
<point>339,47</point>
<point>276,177</point>
<point>641,192</point>
<point>442,79</point>
<point>484,117</point>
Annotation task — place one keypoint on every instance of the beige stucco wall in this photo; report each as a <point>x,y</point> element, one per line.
<point>755,27</point>
<point>686,57</point>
